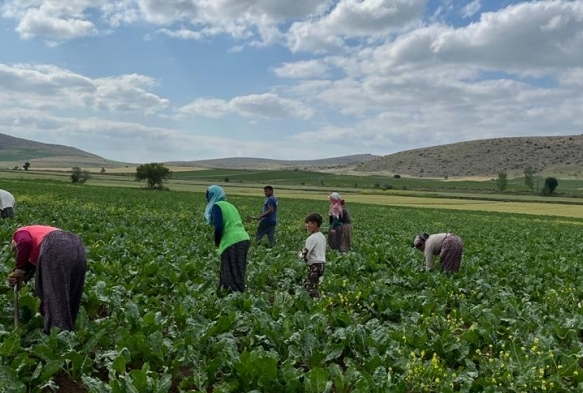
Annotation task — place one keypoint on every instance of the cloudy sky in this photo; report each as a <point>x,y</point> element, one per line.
<point>161,80</point>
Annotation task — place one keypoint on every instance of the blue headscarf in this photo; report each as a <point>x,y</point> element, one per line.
<point>214,194</point>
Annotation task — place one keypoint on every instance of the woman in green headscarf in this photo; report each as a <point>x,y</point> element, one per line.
<point>230,237</point>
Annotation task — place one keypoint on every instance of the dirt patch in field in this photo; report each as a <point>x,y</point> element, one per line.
<point>468,178</point>
<point>67,385</point>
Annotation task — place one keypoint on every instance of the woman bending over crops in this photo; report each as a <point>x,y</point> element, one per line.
<point>230,237</point>
<point>448,246</point>
<point>59,259</point>
<point>6,204</point>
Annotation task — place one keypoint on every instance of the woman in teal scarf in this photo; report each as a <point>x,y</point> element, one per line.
<point>230,237</point>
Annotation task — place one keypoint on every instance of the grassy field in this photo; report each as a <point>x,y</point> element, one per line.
<point>310,178</point>
<point>570,187</point>
<point>455,198</point>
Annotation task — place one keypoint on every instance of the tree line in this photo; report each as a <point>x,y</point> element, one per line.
<point>155,174</point>
<point>530,181</point>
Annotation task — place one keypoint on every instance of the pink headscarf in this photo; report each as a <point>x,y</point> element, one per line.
<point>335,205</point>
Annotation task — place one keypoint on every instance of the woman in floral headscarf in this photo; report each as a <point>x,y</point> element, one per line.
<point>448,246</point>
<point>340,225</point>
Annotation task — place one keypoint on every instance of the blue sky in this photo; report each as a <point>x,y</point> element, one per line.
<point>166,80</point>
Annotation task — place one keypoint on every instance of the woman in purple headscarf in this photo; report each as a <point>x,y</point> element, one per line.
<point>448,246</point>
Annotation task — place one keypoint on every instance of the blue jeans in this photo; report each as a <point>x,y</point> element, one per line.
<point>266,228</point>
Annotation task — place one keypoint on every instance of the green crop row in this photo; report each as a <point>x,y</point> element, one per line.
<point>151,321</point>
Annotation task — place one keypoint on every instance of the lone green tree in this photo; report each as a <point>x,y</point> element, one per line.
<point>529,177</point>
<point>502,181</point>
<point>154,173</point>
<point>550,186</point>
<point>26,165</point>
<point>79,175</point>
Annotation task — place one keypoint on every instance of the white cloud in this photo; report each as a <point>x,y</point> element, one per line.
<point>110,139</point>
<point>424,89</point>
<point>516,40</point>
<point>302,69</point>
<point>127,93</point>
<point>470,9</point>
<point>242,19</point>
<point>439,84</point>
<point>271,106</point>
<point>572,78</point>
<point>433,108</point>
<point>212,107</point>
<point>34,123</point>
<point>52,19</point>
<point>353,18</point>
<point>319,23</point>
<point>527,36</point>
<point>545,32</point>
<point>167,12</point>
<point>256,20</point>
<point>36,23</point>
<point>398,76</point>
<point>266,105</point>
<point>47,86</point>
<point>253,10</point>
<point>184,34</point>
<point>120,12</point>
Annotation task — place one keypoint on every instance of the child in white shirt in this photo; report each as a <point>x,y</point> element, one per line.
<point>314,253</point>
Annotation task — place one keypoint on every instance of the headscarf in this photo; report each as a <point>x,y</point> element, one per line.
<point>214,194</point>
<point>335,206</point>
<point>420,239</point>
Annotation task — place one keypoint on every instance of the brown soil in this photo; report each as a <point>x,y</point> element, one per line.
<point>67,385</point>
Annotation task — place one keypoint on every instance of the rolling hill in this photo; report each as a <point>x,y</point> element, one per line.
<point>553,155</point>
<point>17,151</point>
<point>264,163</point>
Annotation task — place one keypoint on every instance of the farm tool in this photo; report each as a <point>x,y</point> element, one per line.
<point>16,317</point>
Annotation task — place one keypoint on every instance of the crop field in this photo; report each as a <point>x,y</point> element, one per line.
<point>124,177</point>
<point>152,321</point>
<point>571,186</point>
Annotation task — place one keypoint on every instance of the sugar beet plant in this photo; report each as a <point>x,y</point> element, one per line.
<point>151,320</point>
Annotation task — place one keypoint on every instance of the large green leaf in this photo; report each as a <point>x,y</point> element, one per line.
<point>316,380</point>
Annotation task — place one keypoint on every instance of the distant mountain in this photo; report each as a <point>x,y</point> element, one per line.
<point>264,163</point>
<point>556,155</point>
<point>553,155</point>
<point>17,151</point>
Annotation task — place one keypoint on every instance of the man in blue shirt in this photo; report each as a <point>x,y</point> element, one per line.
<point>267,219</point>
